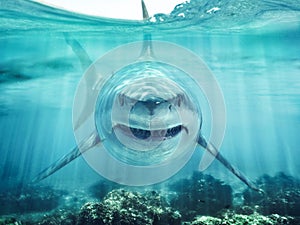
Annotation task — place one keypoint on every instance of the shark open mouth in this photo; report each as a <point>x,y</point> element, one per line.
<point>156,135</point>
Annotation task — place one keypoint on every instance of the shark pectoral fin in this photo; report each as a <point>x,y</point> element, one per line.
<point>215,153</point>
<point>79,51</point>
<point>84,146</point>
<point>86,65</point>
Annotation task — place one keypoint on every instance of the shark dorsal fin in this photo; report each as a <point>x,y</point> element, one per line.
<point>145,11</point>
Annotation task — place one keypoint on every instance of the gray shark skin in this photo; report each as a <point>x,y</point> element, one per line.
<point>94,139</point>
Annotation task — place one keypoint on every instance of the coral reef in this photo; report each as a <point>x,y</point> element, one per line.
<point>122,207</point>
<point>281,195</point>
<point>200,195</point>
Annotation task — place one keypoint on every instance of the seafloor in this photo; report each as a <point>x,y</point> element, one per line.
<point>200,199</point>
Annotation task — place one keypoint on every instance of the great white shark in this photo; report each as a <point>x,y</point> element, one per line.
<point>169,132</point>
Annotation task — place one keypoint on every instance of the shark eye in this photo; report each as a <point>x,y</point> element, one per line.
<point>172,132</point>
<point>140,133</point>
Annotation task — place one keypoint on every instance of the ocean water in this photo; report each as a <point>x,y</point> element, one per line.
<point>251,47</point>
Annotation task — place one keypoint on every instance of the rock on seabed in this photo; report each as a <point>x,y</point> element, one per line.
<point>122,207</point>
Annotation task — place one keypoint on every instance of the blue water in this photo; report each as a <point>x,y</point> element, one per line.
<point>251,47</point>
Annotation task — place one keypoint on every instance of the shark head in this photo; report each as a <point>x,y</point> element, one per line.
<point>152,118</point>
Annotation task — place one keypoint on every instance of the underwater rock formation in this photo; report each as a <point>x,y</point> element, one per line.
<point>10,221</point>
<point>206,220</point>
<point>198,200</point>
<point>122,207</point>
<point>100,189</point>
<point>200,195</point>
<point>30,199</point>
<point>230,217</point>
<point>59,217</point>
<point>281,195</point>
